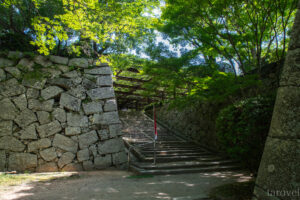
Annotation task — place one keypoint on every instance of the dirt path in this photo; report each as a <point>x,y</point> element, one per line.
<point>120,185</point>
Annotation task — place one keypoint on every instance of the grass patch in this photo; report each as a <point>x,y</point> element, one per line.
<point>17,179</point>
<point>234,191</point>
<point>140,176</point>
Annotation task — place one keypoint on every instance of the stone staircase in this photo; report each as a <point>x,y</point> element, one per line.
<point>173,155</point>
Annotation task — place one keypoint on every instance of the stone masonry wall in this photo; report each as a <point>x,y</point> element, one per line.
<point>57,114</point>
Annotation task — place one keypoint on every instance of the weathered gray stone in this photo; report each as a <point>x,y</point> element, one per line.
<point>65,159</point>
<point>102,162</point>
<point>78,92</point>
<point>99,71</point>
<point>42,60</point>
<point>62,82</point>
<point>65,143</point>
<point>48,154</point>
<point>51,73</point>
<point>43,117</point>
<point>70,102</point>
<point>77,120</point>
<point>25,118</point>
<point>37,105</point>
<point>6,128</point>
<point>22,162</point>
<point>11,87</point>
<point>101,93</point>
<point>6,63</point>
<point>15,55</point>
<point>88,165</point>
<point>83,155</point>
<point>93,149</point>
<point>110,105</point>
<point>29,133</point>
<point>51,92</point>
<point>115,130</point>
<point>72,167</point>
<point>32,93</point>
<point>85,140</point>
<point>92,108</point>
<point>59,60</point>
<point>119,158</point>
<point>40,144</point>
<point>106,118</point>
<point>79,62</point>
<point>47,167</point>
<point>111,146</point>
<point>77,80</point>
<point>104,81</point>
<point>38,84</point>
<point>2,75</point>
<point>11,143</point>
<point>72,74</point>
<point>72,131</point>
<point>14,71</point>
<point>103,134</point>
<point>63,68</point>
<point>2,161</point>
<point>49,129</point>
<point>8,111</point>
<point>88,84</point>
<point>59,114</point>
<point>21,102</point>
<point>26,64</point>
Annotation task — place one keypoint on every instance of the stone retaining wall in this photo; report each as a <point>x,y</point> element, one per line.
<point>57,114</point>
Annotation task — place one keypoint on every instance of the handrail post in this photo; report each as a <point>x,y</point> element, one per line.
<point>155,136</point>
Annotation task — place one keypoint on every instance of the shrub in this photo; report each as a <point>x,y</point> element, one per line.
<point>242,129</point>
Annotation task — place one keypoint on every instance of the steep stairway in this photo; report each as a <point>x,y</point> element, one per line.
<point>172,155</point>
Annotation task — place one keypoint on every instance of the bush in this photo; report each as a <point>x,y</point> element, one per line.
<point>242,129</point>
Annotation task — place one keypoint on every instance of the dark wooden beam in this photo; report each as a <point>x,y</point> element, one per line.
<point>131,79</point>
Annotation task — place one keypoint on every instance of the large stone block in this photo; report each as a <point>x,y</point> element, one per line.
<point>43,117</point>
<point>6,128</point>
<point>29,133</point>
<point>32,93</point>
<point>65,159</point>
<point>104,81</point>
<point>99,71</point>
<point>106,118</point>
<point>72,131</point>
<point>26,64</point>
<point>2,75</point>
<point>21,102</point>
<point>47,167</point>
<point>101,93</point>
<point>11,143</point>
<point>102,162</point>
<point>34,83</point>
<point>15,55</point>
<point>92,108</point>
<point>22,162</point>
<point>280,161</point>
<point>2,161</point>
<point>88,84</point>
<point>77,120</point>
<point>62,82</point>
<point>88,165</point>
<point>72,167</point>
<point>119,158</point>
<point>110,105</point>
<point>37,105</point>
<point>85,140</point>
<point>103,134</point>
<point>51,92</point>
<point>25,118</point>
<point>59,114</point>
<point>42,60</point>
<point>115,130</point>
<point>65,143</point>
<point>79,62</point>
<point>40,144</point>
<point>78,92</point>
<point>111,146</point>
<point>11,88</point>
<point>83,155</point>
<point>47,130</point>
<point>6,63</point>
<point>70,102</point>
<point>14,71</point>
<point>59,60</point>
<point>8,111</point>
<point>48,154</point>
<point>286,118</point>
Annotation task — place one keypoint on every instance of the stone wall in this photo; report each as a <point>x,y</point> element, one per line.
<point>57,114</point>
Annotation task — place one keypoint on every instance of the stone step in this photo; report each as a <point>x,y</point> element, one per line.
<point>166,153</point>
<point>183,164</point>
<point>174,158</point>
<point>171,151</point>
<point>184,170</point>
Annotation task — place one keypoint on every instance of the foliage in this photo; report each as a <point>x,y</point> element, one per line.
<point>247,32</point>
<point>242,129</point>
